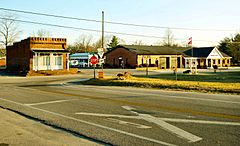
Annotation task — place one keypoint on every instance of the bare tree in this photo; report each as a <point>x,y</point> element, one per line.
<point>98,43</point>
<point>42,33</point>
<point>83,43</point>
<point>138,42</point>
<point>8,29</point>
<point>169,38</point>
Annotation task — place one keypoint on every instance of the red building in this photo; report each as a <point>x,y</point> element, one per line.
<point>36,53</point>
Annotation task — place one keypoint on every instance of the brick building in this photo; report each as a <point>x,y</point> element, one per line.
<point>36,53</point>
<point>136,56</point>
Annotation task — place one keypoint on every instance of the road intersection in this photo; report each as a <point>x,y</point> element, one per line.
<point>128,116</point>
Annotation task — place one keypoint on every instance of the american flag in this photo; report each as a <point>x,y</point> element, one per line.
<point>190,41</point>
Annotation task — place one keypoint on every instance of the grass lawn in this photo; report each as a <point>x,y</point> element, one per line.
<point>220,82</point>
<point>222,77</point>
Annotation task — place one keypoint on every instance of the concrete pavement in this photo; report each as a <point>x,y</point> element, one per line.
<point>16,130</point>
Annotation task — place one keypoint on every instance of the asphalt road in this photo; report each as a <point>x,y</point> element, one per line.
<point>125,115</point>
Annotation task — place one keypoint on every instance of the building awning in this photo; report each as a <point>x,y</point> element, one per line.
<point>49,51</point>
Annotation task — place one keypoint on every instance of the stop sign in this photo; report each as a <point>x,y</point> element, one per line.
<point>93,60</point>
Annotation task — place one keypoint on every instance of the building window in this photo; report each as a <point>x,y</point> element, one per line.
<point>219,61</point>
<point>223,61</point>
<point>46,60</point>
<point>228,61</point>
<point>213,61</point>
<point>58,60</point>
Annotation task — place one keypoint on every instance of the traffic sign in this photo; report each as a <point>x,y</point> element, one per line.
<point>101,60</point>
<point>93,60</point>
<point>100,52</point>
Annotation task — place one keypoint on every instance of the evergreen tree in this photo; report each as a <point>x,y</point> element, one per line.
<point>231,46</point>
<point>114,42</point>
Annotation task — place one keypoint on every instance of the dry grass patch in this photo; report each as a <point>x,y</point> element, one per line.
<point>233,88</point>
<point>54,72</point>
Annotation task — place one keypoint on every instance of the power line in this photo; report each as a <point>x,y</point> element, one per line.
<point>49,15</point>
<point>111,22</point>
<point>94,30</point>
<point>78,28</point>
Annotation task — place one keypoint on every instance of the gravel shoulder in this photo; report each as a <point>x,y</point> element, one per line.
<point>16,130</point>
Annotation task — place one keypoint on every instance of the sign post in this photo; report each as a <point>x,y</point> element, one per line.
<point>94,61</point>
<point>147,57</point>
<point>101,53</point>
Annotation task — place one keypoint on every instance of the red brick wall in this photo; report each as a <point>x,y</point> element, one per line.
<point>129,59</point>
<point>18,56</point>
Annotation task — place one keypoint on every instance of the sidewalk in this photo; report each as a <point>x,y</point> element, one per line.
<point>16,130</point>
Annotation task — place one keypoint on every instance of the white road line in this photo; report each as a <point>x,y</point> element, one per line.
<point>200,121</point>
<point>93,124</point>
<point>173,129</point>
<point>129,108</point>
<point>140,126</point>
<point>108,115</point>
<point>49,102</point>
<point>164,119</point>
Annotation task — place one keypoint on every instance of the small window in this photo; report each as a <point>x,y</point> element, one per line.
<point>58,60</point>
<point>219,61</point>
<point>46,60</point>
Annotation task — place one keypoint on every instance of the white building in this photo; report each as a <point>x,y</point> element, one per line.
<point>206,57</point>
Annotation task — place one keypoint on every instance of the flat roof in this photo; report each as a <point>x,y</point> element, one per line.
<point>49,50</point>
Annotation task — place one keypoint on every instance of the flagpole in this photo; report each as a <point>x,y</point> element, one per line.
<point>192,56</point>
<point>191,60</point>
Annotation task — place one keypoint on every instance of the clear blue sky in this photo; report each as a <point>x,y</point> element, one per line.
<point>200,14</point>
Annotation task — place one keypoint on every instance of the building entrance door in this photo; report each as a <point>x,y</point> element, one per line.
<point>178,62</point>
<point>209,62</point>
<point>167,62</point>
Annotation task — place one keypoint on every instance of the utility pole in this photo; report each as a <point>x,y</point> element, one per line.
<point>102,35</point>
<point>102,29</point>
<point>102,39</point>
<point>168,37</point>
<point>191,60</point>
